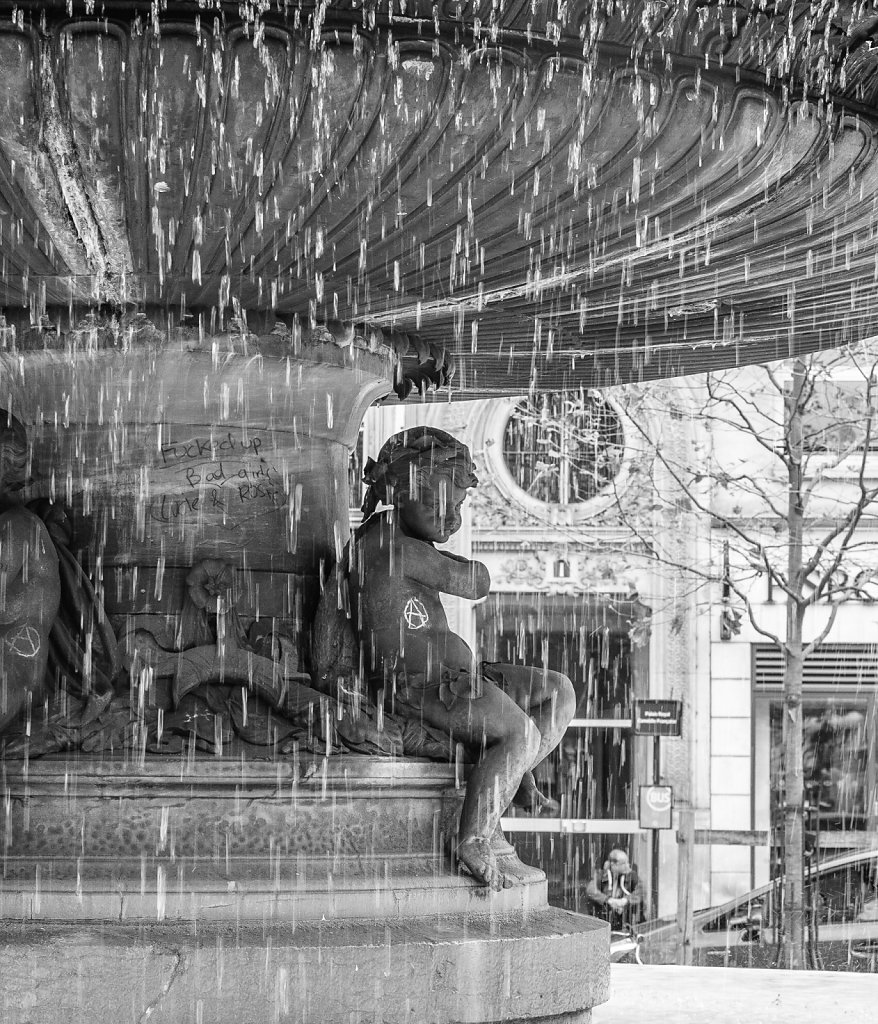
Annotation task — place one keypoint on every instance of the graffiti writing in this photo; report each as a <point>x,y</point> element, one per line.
<point>221,473</point>
<point>209,448</point>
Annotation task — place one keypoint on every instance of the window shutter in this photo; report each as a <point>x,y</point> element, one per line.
<point>830,667</point>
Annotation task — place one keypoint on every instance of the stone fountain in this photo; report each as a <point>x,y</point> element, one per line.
<point>226,230</point>
<point>208,815</point>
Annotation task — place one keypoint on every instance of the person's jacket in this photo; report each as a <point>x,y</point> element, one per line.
<point>605,885</point>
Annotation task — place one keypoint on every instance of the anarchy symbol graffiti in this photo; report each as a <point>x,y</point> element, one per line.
<point>25,642</point>
<point>415,613</point>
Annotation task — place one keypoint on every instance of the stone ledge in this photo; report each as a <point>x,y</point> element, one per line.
<point>255,891</point>
<point>301,840</point>
<point>548,966</point>
<point>314,891</point>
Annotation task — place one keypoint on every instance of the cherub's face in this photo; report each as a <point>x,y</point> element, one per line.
<point>432,512</point>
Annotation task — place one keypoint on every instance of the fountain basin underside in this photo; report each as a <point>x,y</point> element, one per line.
<point>318,889</point>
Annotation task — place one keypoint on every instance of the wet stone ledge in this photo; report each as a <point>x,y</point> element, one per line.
<point>313,890</point>
<point>549,968</point>
<point>306,839</point>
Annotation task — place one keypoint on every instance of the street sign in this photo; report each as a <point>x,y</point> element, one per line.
<point>656,806</point>
<point>657,717</point>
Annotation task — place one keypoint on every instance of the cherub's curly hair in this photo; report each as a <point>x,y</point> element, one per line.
<point>13,452</point>
<point>415,450</point>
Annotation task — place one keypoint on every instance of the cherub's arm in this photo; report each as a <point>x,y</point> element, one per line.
<point>443,571</point>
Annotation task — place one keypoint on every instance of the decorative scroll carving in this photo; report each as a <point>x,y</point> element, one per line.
<point>204,680</point>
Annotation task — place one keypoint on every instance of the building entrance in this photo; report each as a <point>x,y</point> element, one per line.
<point>593,773</point>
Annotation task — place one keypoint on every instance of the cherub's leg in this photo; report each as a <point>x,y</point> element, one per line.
<point>550,701</point>
<point>547,697</point>
<point>509,741</point>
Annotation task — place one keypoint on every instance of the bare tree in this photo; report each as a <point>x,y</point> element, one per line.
<point>778,460</point>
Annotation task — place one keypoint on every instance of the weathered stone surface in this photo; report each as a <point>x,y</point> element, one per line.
<point>549,965</point>
<point>174,450</point>
<point>338,837</point>
<point>167,457</point>
<point>318,890</point>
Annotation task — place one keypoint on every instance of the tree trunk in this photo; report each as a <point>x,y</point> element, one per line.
<point>793,928</point>
<point>793,812</point>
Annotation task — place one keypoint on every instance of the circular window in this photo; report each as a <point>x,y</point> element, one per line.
<point>563,448</point>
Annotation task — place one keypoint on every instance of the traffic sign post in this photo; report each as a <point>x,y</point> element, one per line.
<point>656,718</point>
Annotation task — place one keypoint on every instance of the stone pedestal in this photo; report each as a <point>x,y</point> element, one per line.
<point>315,890</point>
<point>171,448</point>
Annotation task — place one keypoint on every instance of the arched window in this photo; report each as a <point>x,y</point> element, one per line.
<point>564,447</point>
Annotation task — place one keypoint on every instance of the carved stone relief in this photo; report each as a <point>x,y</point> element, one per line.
<point>562,571</point>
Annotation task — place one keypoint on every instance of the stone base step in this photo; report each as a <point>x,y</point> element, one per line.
<point>254,889</point>
<point>306,839</point>
<point>547,966</point>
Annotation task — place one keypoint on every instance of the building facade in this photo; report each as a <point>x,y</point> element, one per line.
<point>610,566</point>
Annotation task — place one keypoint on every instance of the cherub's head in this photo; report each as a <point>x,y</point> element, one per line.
<point>425,474</point>
<point>13,454</point>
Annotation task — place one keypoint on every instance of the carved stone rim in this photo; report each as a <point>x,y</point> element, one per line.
<point>351,772</point>
<point>415,364</point>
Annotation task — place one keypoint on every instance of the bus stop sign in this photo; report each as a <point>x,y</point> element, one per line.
<point>656,806</point>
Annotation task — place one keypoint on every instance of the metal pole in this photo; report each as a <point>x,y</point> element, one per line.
<point>656,778</point>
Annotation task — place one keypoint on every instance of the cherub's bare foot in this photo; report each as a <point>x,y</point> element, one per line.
<point>475,854</point>
<point>95,706</point>
<point>362,734</point>
<point>531,798</point>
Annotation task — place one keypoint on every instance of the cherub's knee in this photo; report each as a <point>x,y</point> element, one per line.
<point>530,740</point>
<point>521,735</point>
<point>565,697</point>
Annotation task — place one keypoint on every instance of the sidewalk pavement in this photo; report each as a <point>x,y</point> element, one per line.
<point>728,995</point>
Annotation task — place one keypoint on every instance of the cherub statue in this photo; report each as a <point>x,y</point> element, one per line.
<point>30,585</point>
<point>510,716</point>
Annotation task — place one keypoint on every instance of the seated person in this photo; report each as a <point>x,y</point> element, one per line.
<point>29,582</point>
<point>615,891</point>
<point>511,715</point>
